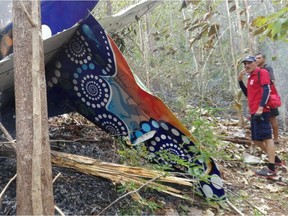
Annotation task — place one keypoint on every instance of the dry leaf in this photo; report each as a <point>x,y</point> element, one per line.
<point>251,159</point>
<point>195,211</point>
<point>273,188</point>
<point>208,212</point>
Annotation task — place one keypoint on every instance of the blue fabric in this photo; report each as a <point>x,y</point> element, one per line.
<point>243,87</point>
<point>89,76</point>
<point>261,129</point>
<point>59,15</point>
<point>265,95</point>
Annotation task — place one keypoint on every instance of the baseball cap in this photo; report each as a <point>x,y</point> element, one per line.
<point>249,59</point>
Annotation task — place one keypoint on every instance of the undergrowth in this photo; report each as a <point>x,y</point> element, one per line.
<point>201,124</point>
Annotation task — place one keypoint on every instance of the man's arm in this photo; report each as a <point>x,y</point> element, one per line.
<point>264,77</point>
<point>241,83</point>
<point>265,97</point>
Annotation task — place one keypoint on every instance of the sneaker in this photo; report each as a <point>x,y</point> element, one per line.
<point>266,172</point>
<point>283,163</point>
<point>281,166</point>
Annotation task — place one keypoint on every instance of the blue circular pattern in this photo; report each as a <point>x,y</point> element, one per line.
<point>82,69</point>
<point>155,124</point>
<point>77,50</point>
<point>138,134</point>
<point>167,138</point>
<point>112,124</point>
<point>92,90</point>
<point>91,66</point>
<point>146,127</point>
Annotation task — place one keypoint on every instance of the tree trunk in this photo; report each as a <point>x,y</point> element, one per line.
<point>251,41</point>
<point>146,50</point>
<point>34,175</point>
<point>241,42</point>
<point>231,83</point>
<point>109,7</point>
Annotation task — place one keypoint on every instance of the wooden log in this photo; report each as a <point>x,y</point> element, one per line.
<point>239,140</point>
<point>120,174</point>
<point>114,172</point>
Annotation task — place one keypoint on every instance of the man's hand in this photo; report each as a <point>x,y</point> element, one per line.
<point>258,117</point>
<point>241,74</point>
<point>260,110</point>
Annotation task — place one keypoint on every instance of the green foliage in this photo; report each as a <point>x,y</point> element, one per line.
<point>132,156</point>
<point>116,6</point>
<point>274,26</point>
<point>203,126</point>
<point>122,189</point>
<point>138,208</point>
<point>208,146</point>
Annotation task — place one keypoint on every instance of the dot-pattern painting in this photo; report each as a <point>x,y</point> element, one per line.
<point>90,75</point>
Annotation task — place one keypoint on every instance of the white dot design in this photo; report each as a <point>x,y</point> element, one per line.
<point>207,190</point>
<point>46,32</point>
<point>78,50</point>
<point>55,74</point>
<point>165,142</point>
<point>92,89</point>
<point>108,52</point>
<point>216,182</point>
<point>112,124</point>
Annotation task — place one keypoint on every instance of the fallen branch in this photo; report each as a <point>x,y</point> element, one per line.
<point>245,200</point>
<point>7,150</point>
<point>119,173</point>
<point>129,193</point>
<point>91,165</point>
<point>56,177</point>
<point>6,187</point>
<point>239,140</point>
<point>8,136</point>
<point>234,208</point>
<point>72,141</point>
<point>59,210</point>
<point>56,207</point>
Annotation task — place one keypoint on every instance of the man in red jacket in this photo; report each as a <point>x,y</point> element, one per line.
<point>257,92</point>
<point>261,62</point>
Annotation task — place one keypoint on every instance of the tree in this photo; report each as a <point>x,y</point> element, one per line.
<point>34,174</point>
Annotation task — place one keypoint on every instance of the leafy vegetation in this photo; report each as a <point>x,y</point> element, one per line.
<point>190,59</point>
<point>273,26</point>
<point>189,55</point>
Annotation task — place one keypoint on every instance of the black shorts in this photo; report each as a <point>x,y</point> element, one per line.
<point>274,112</point>
<point>261,129</point>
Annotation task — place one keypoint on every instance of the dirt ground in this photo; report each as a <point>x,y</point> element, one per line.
<point>80,194</point>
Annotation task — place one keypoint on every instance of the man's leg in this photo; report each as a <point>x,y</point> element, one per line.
<point>275,128</point>
<point>261,145</point>
<point>270,150</point>
<point>263,131</point>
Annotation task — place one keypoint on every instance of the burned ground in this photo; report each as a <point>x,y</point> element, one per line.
<point>80,194</point>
